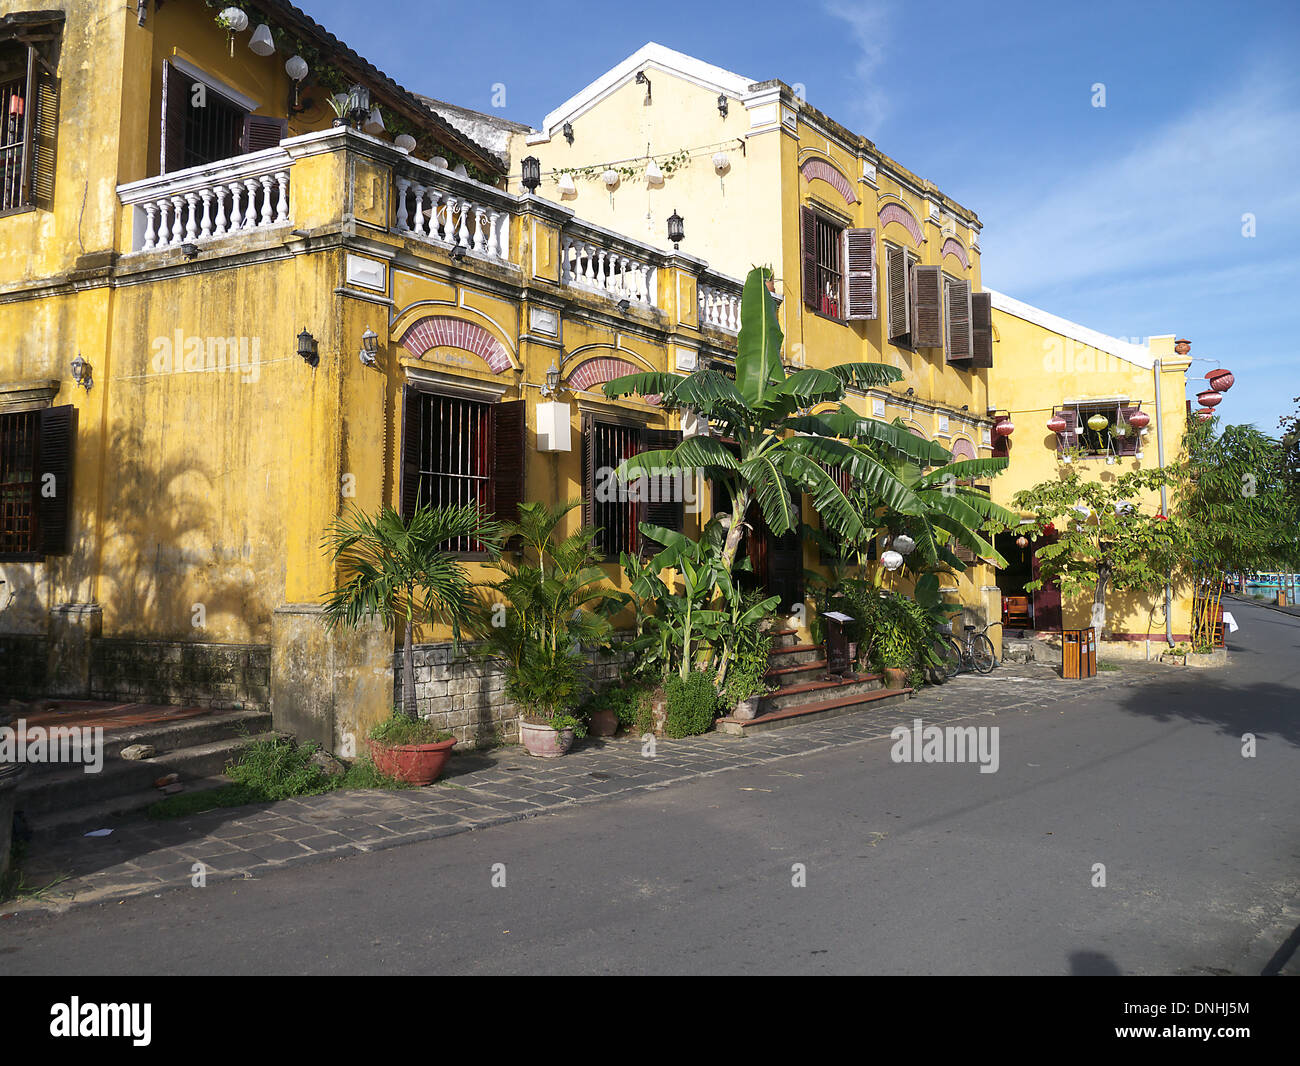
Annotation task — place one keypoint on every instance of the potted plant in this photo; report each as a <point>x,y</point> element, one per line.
<point>746,682</point>
<point>398,571</point>
<point>550,602</point>
<point>414,752</point>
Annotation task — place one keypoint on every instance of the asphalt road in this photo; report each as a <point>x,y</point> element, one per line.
<point>910,868</point>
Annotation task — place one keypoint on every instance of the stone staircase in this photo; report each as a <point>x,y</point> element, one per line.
<point>804,692</point>
<point>196,747</point>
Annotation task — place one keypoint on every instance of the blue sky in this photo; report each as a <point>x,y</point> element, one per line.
<point>1126,218</point>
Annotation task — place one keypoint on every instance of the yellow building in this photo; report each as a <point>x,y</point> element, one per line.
<point>873,262</point>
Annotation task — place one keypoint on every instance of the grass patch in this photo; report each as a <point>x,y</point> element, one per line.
<point>14,886</point>
<point>270,770</point>
<point>1107,667</point>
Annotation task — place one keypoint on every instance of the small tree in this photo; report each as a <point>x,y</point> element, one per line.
<point>402,571</point>
<point>1104,539</point>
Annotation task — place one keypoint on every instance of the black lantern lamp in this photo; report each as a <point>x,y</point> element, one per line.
<point>369,346</point>
<point>552,386</point>
<point>676,230</point>
<point>81,373</point>
<point>307,348</point>
<point>358,104</point>
<point>532,176</point>
<point>568,132</point>
<point>722,104</point>
<point>641,79</point>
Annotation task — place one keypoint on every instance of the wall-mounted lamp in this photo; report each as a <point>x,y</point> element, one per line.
<point>458,253</point>
<point>532,175</point>
<point>307,348</point>
<point>358,104</point>
<point>641,79</point>
<point>369,346</point>
<point>624,304</point>
<point>552,386</point>
<point>567,129</point>
<point>910,392</point>
<point>141,10</point>
<point>190,250</point>
<point>965,407</point>
<point>676,230</point>
<point>723,104</point>
<point>81,373</point>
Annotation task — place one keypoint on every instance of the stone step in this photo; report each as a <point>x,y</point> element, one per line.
<point>784,638</point>
<point>880,699</point>
<point>107,813</point>
<point>69,787</point>
<point>794,654</point>
<point>819,690</point>
<point>174,736</point>
<point>797,674</point>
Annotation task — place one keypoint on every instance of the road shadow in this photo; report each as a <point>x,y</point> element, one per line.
<point>1092,964</point>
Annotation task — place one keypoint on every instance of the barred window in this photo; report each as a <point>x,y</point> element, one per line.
<point>830,271</point>
<point>614,512</point>
<point>18,435</point>
<point>454,457</point>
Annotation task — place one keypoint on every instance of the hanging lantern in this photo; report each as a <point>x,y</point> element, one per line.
<point>1022,542</point>
<point>1205,413</point>
<point>567,186</point>
<point>903,544</point>
<point>1005,428</point>
<point>1209,398</point>
<point>261,43</point>
<point>721,162</point>
<point>610,178</point>
<point>460,171</point>
<point>374,125</point>
<point>653,175</point>
<point>1220,380</point>
<point>405,142</point>
<point>891,560</point>
<point>1098,422</point>
<point>296,68</point>
<point>1139,420</point>
<point>236,21</point>
<point>1057,424</point>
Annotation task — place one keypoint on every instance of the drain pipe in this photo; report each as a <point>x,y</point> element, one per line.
<point>1164,501</point>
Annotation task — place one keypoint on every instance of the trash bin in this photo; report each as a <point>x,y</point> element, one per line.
<point>1078,653</point>
<point>1281,597</point>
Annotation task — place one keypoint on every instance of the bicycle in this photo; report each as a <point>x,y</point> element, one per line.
<point>974,652</point>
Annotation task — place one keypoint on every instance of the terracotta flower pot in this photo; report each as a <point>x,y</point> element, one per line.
<point>412,764</point>
<point>544,740</point>
<point>603,724</point>
<point>895,677</point>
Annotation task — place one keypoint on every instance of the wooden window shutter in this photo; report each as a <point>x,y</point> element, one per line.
<point>175,99</point>
<point>808,246</point>
<point>1128,444</point>
<point>55,447</point>
<point>588,471</point>
<point>506,452</point>
<point>900,325</point>
<point>981,322</point>
<point>669,513</point>
<point>262,131</point>
<point>45,125</point>
<point>1068,437</point>
<point>412,411</point>
<point>959,321</point>
<point>927,306</point>
<point>860,248</point>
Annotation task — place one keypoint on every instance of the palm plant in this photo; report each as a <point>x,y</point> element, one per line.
<point>549,602</point>
<point>775,445</point>
<point>398,570</point>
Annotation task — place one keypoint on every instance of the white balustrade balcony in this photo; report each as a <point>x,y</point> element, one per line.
<point>719,303</point>
<point>602,261</point>
<point>231,196</point>
<point>435,205</point>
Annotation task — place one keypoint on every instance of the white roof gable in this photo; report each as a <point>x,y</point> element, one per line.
<point>1137,354</point>
<point>649,56</point>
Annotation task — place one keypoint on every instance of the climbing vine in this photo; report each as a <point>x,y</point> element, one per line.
<point>630,170</point>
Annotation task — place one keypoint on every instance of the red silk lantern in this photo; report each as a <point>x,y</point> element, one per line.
<point>1004,428</point>
<point>1205,414</point>
<point>1139,420</point>
<point>1056,424</point>
<point>1049,530</point>
<point>1209,398</point>
<point>1022,542</point>
<point>1220,380</point>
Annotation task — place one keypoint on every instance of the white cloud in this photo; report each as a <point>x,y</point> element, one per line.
<point>868,29</point>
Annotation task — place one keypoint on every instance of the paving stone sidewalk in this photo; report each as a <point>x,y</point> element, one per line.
<point>482,789</point>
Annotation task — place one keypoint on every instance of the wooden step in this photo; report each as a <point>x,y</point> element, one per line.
<point>878,699</point>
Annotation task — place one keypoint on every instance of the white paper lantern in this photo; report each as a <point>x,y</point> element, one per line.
<point>721,163</point>
<point>903,544</point>
<point>567,186</point>
<point>405,142</point>
<point>460,171</point>
<point>891,560</point>
<point>261,43</point>
<point>374,125</point>
<point>610,178</point>
<point>653,175</point>
<point>439,161</point>
<point>296,67</point>
<point>234,19</point>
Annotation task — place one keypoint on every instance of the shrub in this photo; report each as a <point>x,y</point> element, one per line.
<point>691,703</point>
<point>399,730</point>
<point>745,676</point>
<point>625,700</point>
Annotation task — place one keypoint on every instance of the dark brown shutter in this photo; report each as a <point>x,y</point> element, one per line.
<point>785,567</point>
<point>808,244</point>
<point>53,484</point>
<point>175,99</point>
<point>959,320</point>
<point>45,123</point>
<point>412,413</point>
<point>262,131</point>
<point>861,289</point>
<point>981,321</point>
<point>1068,437</point>
<point>899,324</point>
<point>927,306</point>
<point>669,513</point>
<point>506,459</point>
<point>1128,444</point>
<point>588,471</point>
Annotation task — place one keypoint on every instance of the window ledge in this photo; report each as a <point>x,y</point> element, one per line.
<point>16,396</point>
